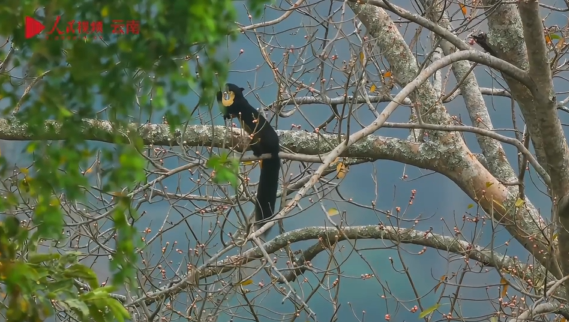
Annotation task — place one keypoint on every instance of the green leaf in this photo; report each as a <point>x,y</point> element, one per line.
<point>106,289</point>
<point>160,98</point>
<point>98,316</point>
<point>119,311</point>
<point>83,272</point>
<point>40,258</point>
<point>69,258</point>
<point>65,112</point>
<point>429,310</point>
<point>61,286</point>
<point>226,169</point>
<point>98,293</point>
<point>78,306</point>
<point>12,225</point>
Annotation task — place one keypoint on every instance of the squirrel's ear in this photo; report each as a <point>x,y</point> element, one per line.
<point>242,89</point>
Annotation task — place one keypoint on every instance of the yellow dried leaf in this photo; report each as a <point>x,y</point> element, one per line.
<point>54,202</point>
<point>23,305</point>
<point>372,88</point>
<point>504,291</point>
<point>341,170</point>
<point>489,184</point>
<point>247,282</point>
<point>547,39</point>
<point>387,74</point>
<point>362,57</point>
<point>333,212</point>
<point>248,162</point>
<point>504,282</point>
<point>519,203</point>
<point>560,43</point>
<point>470,206</point>
<point>441,280</point>
<point>24,170</point>
<point>462,8</point>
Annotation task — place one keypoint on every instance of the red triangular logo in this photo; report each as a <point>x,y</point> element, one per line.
<point>33,27</point>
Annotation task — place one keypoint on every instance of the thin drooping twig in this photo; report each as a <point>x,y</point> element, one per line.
<point>27,91</point>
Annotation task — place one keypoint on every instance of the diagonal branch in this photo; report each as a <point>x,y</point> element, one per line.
<point>478,112</point>
<point>547,121</point>
<point>481,132</point>
<point>526,225</point>
<point>486,256</point>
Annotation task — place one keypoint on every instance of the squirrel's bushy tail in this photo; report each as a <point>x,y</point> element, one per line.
<point>267,191</point>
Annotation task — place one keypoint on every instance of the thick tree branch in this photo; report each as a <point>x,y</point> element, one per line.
<point>473,178</point>
<point>304,143</point>
<point>422,155</point>
<point>541,309</point>
<point>495,155</point>
<point>505,15</point>
<point>420,85</point>
<point>481,132</point>
<point>485,256</point>
<point>506,37</point>
<point>305,146</point>
<point>307,100</point>
<point>546,110</point>
<point>547,121</point>
<point>457,42</point>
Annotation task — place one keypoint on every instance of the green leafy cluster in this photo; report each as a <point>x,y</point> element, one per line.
<point>118,73</point>
<point>41,281</point>
<point>226,169</point>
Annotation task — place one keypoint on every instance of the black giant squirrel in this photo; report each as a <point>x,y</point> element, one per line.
<point>264,140</point>
<point>482,40</point>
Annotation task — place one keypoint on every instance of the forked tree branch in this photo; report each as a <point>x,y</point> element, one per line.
<point>485,256</point>
<point>475,180</point>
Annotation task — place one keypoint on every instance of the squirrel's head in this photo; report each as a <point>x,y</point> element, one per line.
<point>229,94</point>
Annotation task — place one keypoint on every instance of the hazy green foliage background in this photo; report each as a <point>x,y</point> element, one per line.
<point>80,73</point>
